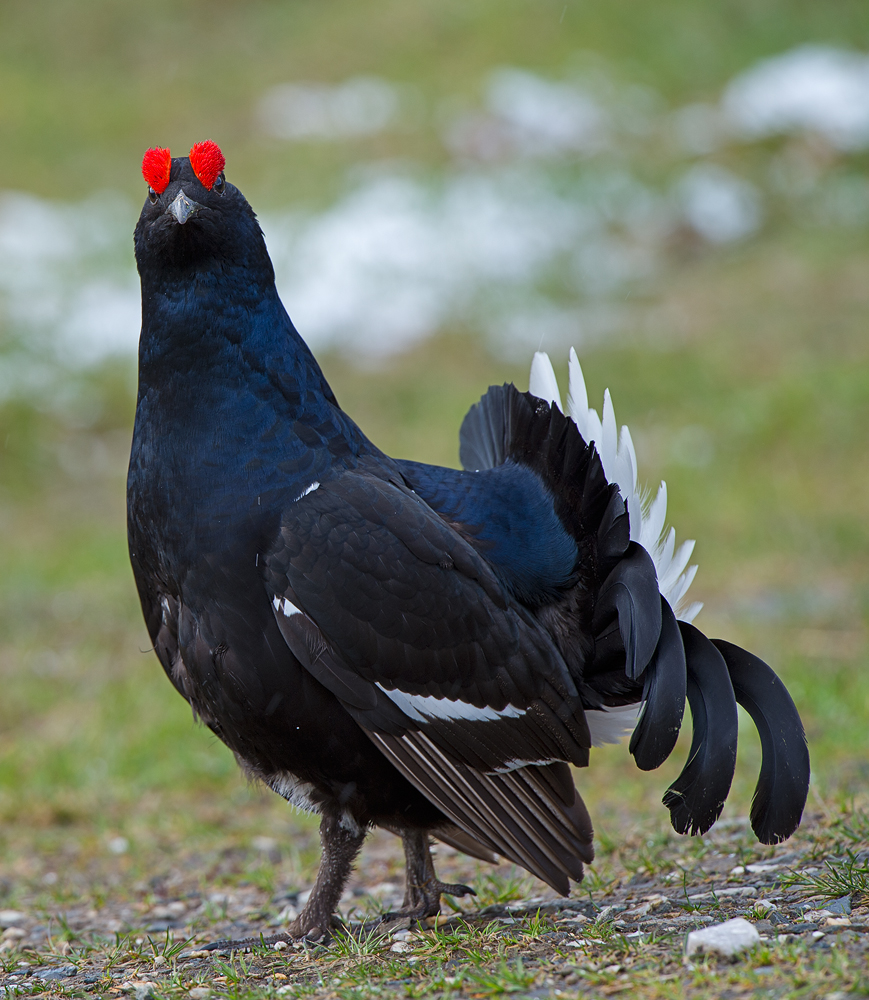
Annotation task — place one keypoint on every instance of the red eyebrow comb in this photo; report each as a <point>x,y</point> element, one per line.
<point>207,162</point>
<point>156,167</point>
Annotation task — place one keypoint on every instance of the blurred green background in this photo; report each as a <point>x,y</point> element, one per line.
<point>731,331</point>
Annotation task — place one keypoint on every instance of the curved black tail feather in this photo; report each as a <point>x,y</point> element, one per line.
<point>655,734</point>
<point>696,797</point>
<point>783,784</point>
<point>630,593</point>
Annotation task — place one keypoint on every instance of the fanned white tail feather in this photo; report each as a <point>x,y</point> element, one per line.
<point>619,460</point>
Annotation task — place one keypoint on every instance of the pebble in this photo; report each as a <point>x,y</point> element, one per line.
<point>842,905</point>
<point>400,947</point>
<point>199,993</point>
<point>727,939</point>
<point>9,918</point>
<point>56,972</point>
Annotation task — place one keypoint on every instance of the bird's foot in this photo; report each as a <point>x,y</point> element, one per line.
<point>422,901</point>
<point>315,927</point>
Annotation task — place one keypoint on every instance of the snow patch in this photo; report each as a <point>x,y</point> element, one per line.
<point>815,88</point>
<point>360,106</point>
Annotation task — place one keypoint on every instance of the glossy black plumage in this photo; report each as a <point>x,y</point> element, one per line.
<point>775,811</point>
<point>697,796</point>
<point>392,643</point>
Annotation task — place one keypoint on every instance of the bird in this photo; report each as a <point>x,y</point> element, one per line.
<point>393,644</point>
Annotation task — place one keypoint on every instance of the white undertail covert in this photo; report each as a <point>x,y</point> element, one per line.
<point>619,460</point>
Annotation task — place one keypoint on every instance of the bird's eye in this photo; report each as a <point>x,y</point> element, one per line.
<point>152,196</point>
<point>219,184</point>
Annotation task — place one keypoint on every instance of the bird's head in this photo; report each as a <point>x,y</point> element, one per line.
<point>193,219</point>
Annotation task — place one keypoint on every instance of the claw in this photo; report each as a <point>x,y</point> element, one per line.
<point>453,889</point>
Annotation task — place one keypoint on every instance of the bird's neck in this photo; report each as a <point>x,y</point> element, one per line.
<point>212,326</point>
<point>219,357</point>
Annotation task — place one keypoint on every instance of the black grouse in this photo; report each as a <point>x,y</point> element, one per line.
<point>400,645</point>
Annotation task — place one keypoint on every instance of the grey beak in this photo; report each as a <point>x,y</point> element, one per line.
<point>182,207</point>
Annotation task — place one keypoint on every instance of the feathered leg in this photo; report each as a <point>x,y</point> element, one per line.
<point>340,847</point>
<point>423,889</point>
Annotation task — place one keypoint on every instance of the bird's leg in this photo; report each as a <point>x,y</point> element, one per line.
<point>423,890</point>
<point>340,847</point>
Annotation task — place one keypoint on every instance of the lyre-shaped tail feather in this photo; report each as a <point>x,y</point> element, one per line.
<point>697,796</point>
<point>783,785</point>
<point>714,675</point>
<point>664,694</point>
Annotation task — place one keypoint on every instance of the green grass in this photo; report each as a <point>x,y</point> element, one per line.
<point>844,877</point>
<point>88,86</point>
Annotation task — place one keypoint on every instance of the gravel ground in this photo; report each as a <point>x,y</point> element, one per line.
<point>624,930</point>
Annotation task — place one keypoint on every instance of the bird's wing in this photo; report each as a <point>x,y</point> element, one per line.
<point>394,612</point>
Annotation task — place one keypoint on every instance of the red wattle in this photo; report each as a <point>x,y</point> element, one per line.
<point>207,162</point>
<point>156,167</point>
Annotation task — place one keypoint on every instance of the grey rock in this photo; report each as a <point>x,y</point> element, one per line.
<point>56,972</point>
<point>839,906</point>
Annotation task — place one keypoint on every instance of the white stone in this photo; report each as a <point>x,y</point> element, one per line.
<point>727,939</point>
<point>9,918</point>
